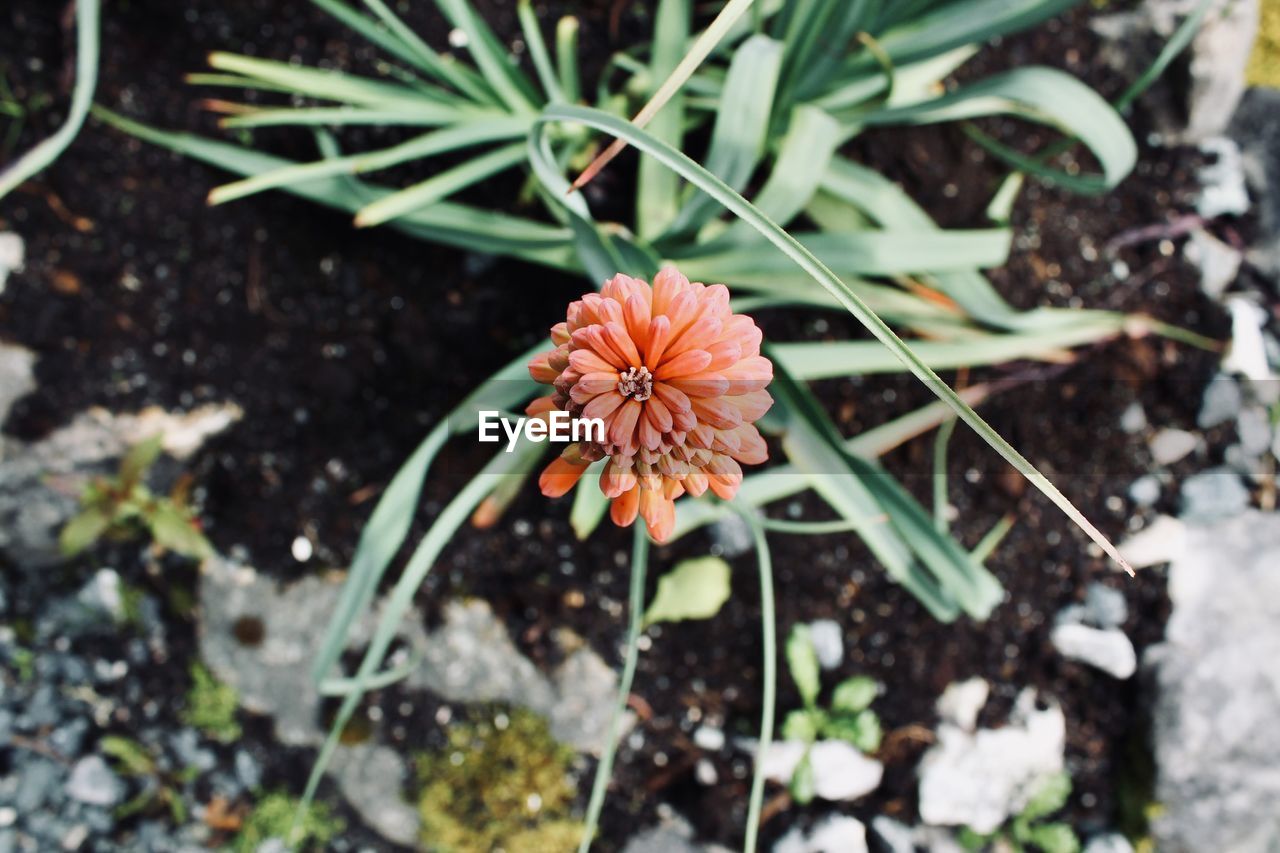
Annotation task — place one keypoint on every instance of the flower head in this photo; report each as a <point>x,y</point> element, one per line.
<point>678,380</point>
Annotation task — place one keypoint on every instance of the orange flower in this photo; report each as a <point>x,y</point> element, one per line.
<point>678,380</point>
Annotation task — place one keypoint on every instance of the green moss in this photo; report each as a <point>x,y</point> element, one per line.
<point>501,784</point>
<point>272,817</point>
<point>211,706</point>
<point>1264,62</point>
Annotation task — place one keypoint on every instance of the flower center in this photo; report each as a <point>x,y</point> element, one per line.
<point>636,383</point>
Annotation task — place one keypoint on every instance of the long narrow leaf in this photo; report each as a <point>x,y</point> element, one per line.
<point>439,187</point>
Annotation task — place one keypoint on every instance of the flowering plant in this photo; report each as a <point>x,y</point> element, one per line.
<point>679,382</point>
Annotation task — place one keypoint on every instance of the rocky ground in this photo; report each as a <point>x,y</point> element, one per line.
<point>149,704</point>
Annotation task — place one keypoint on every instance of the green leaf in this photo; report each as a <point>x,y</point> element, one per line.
<point>1050,796</point>
<point>441,186</point>
<point>710,184</point>
<point>657,188</point>
<point>1044,95</point>
<point>802,663</point>
<point>336,85</point>
<point>139,459</point>
<point>174,530</point>
<point>83,530</point>
<point>801,724</point>
<point>803,787</point>
<point>854,694</point>
<point>131,757</point>
<point>1054,838</point>
<point>694,589</point>
<point>861,729</point>
<point>46,152</point>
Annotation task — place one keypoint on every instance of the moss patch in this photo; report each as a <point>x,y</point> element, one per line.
<point>502,783</point>
<point>1264,62</point>
<point>272,817</point>
<point>211,706</point>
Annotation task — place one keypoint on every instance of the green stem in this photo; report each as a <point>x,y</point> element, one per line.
<point>940,474</point>
<point>768,625</point>
<point>639,565</point>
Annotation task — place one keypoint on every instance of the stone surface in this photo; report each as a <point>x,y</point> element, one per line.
<point>1212,494</point>
<point>1111,842</point>
<point>840,772</point>
<point>91,781</point>
<point>1145,491</point>
<point>12,255</point>
<point>1217,745</point>
<point>1170,445</point>
<point>1219,263</point>
<point>469,658</point>
<point>962,701</point>
<point>828,642</point>
<point>1133,419</point>
<point>1222,185</point>
<point>833,834</point>
<point>17,376</point>
<point>1158,542</point>
<point>1247,354</point>
<point>40,482</point>
<point>979,779</point>
<point>1107,649</point>
<point>1256,127</point>
<point>1221,402</point>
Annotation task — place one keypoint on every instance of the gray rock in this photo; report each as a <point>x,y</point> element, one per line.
<point>101,595</point>
<point>91,781</point>
<point>17,368</point>
<point>1217,745</point>
<point>1133,419</point>
<point>979,779</point>
<point>38,781</point>
<point>68,740</point>
<point>1170,445</point>
<point>1158,542</point>
<point>371,778</point>
<point>672,835</point>
<point>1111,842</point>
<point>828,642</point>
<point>895,837</point>
<point>962,701</point>
<point>840,772</point>
<point>1145,491</point>
<point>1105,607</point>
<point>1221,402</point>
<point>1256,127</point>
<point>1219,263</point>
<point>1222,185</point>
<point>1253,427</point>
<point>12,254</point>
<point>832,834</point>
<point>1213,494</point>
<point>248,771</point>
<point>1107,649</point>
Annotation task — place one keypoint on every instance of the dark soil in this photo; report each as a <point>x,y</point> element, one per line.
<point>344,347</point>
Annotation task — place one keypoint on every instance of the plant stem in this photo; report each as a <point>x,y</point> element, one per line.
<point>639,566</point>
<point>768,630</point>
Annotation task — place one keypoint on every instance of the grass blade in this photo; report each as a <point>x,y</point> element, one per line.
<point>440,186</point>
<point>538,51</point>
<point>426,145</point>
<point>769,669</point>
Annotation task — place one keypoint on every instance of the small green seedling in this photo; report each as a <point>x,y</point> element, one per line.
<point>848,717</point>
<point>132,759</point>
<point>211,706</point>
<point>273,816</point>
<point>1029,830</point>
<point>122,507</point>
